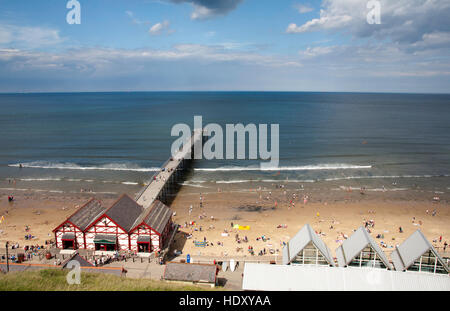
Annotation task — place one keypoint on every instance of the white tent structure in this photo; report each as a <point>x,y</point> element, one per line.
<point>361,250</point>
<point>266,277</point>
<point>307,248</point>
<point>417,254</point>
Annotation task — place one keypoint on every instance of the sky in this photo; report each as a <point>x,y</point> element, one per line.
<point>225,45</point>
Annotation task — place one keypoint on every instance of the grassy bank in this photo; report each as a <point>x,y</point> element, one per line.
<point>55,280</point>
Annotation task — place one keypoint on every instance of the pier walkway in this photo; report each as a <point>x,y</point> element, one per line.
<point>162,182</point>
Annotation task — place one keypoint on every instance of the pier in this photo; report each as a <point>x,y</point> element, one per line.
<point>164,183</point>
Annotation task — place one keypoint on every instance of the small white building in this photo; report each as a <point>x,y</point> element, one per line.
<point>417,254</point>
<point>307,248</point>
<point>361,250</point>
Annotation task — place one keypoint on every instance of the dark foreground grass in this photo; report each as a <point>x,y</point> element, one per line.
<point>55,280</point>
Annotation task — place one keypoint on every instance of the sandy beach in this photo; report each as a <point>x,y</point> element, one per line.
<point>335,219</point>
<point>40,212</point>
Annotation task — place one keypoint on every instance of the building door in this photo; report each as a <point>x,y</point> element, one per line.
<point>68,244</point>
<point>105,247</point>
<point>143,247</point>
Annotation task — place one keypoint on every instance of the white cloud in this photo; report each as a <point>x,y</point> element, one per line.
<point>159,28</point>
<point>301,8</point>
<point>405,22</point>
<point>28,37</point>
<point>201,12</point>
<point>317,51</point>
<point>325,21</point>
<point>134,19</point>
<point>368,67</point>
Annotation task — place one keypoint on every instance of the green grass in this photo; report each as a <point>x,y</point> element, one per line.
<point>55,280</point>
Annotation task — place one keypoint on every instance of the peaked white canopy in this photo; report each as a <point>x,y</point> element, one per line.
<point>411,249</point>
<point>305,236</point>
<point>356,243</point>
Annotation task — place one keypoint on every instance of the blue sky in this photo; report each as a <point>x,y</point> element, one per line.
<point>151,45</point>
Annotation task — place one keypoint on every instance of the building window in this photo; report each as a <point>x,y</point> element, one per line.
<point>428,262</point>
<point>367,258</point>
<point>310,255</point>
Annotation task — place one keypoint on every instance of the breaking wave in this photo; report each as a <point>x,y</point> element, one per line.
<point>74,166</point>
<point>285,168</point>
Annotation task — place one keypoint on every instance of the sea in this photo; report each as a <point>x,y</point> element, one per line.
<point>110,143</point>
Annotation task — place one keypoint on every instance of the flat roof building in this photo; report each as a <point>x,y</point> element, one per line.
<point>205,274</point>
<point>266,277</point>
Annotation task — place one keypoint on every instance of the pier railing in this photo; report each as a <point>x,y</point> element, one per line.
<point>152,190</point>
<point>138,195</point>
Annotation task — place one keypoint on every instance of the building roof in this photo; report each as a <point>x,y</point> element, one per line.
<point>124,212</point>
<point>351,247</point>
<point>77,257</point>
<point>300,240</point>
<point>156,217</point>
<point>68,236</point>
<point>86,214</point>
<point>190,272</point>
<point>266,277</point>
<point>412,248</point>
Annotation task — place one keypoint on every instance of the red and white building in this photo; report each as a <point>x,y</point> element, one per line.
<point>125,225</point>
<point>70,234</point>
<point>151,231</point>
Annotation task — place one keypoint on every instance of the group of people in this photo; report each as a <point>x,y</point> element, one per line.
<point>28,252</point>
<point>103,260</point>
<point>369,224</point>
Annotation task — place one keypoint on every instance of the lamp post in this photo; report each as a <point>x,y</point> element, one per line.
<point>7,257</point>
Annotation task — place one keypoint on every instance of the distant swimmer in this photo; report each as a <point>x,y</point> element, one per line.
<point>20,165</point>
